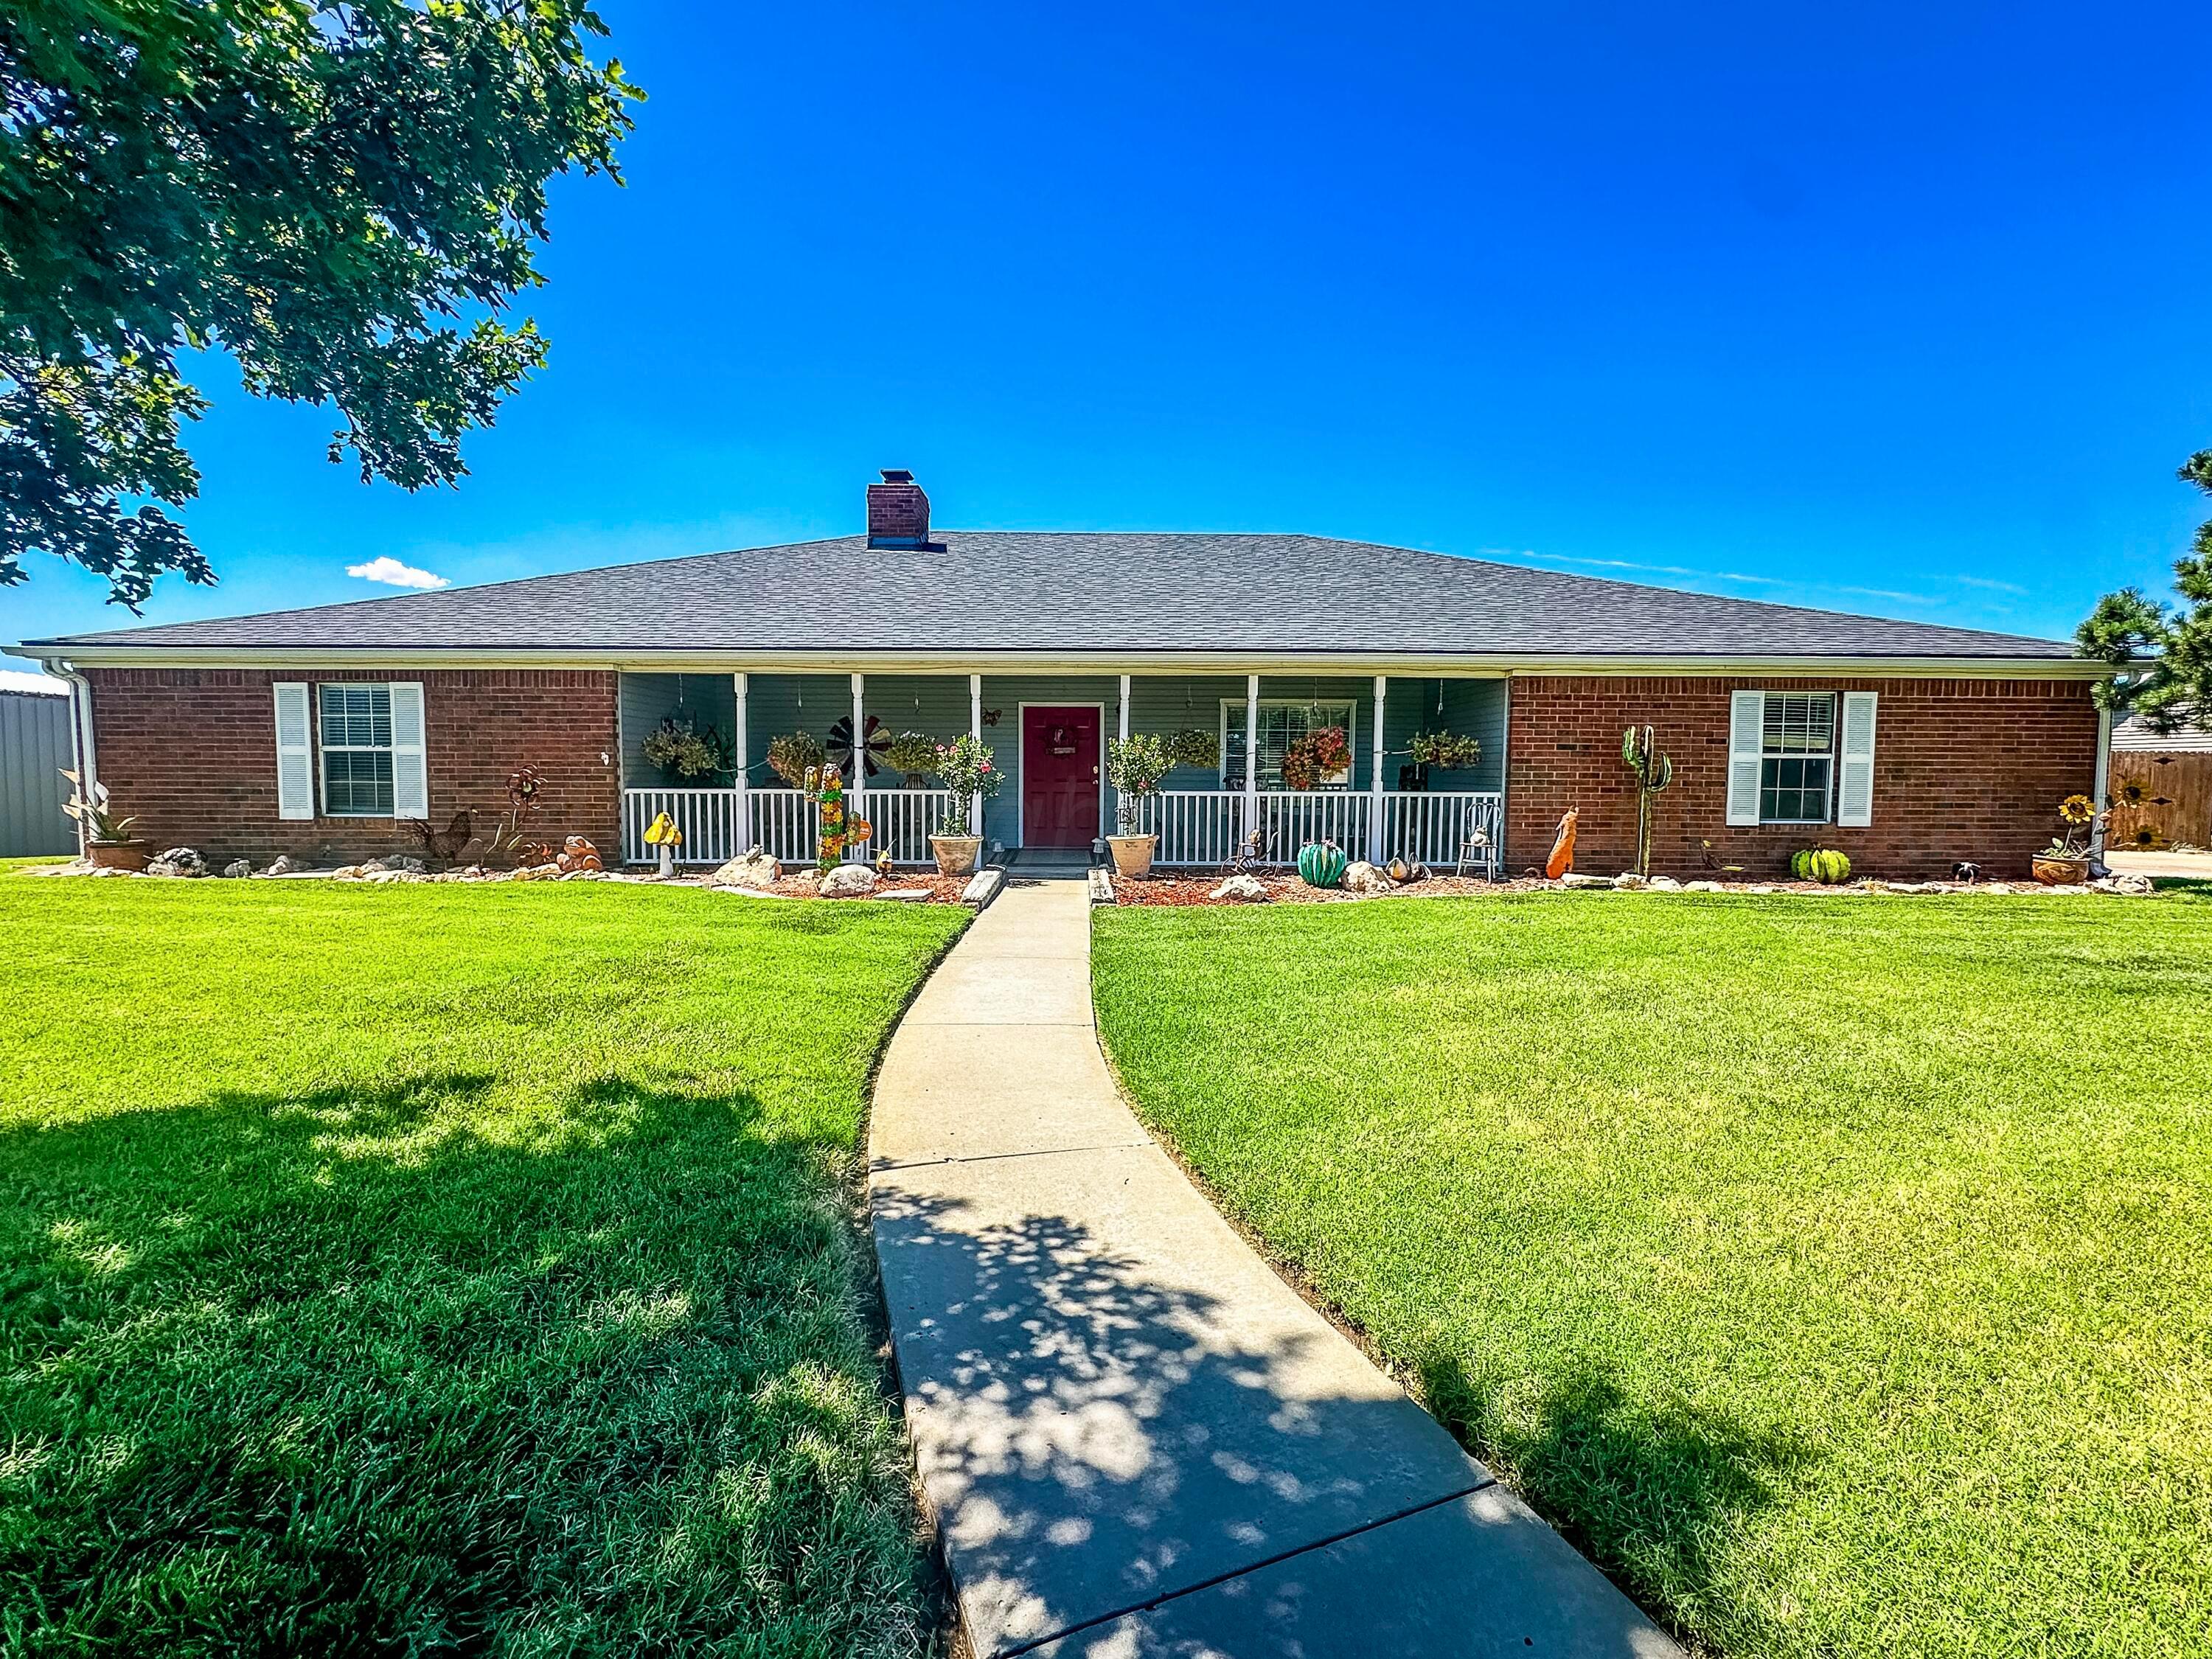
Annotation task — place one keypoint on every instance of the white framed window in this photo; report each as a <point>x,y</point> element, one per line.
<point>1800,758</point>
<point>369,749</point>
<point>1283,721</point>
<point>356,733</point>
<point>1797,757</point>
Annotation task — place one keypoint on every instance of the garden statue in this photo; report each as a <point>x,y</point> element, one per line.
<point>663,834</point>
<point>1639,753</point>
<point>1563,846</point>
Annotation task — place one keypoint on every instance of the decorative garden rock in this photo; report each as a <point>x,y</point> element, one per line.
<point>283,864</point>
<point>1245,889</point>
<point>2130,886</point>
<point>1628,881</point>
<point>177,861</point>
<point>848,881</point>
<point>756,870</point>
<point>239,869</point>
<point>1664,884</point>
<point>1365,880</point>
<point>1703,887</point>
<point>1575,878</point>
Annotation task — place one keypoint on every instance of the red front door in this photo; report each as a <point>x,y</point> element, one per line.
<point>1060,777</point>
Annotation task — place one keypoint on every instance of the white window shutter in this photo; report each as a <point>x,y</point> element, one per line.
<point>296,753</point>
<point>411,772</point>
<point>1855,799</point>
<point>1746,736</point>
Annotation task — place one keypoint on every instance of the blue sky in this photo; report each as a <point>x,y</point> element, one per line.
<point>1896,309</point>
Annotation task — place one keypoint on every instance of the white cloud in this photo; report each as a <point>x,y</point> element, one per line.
<point>1992,584</point>
<point>392,573</point>
<point>12,680</point>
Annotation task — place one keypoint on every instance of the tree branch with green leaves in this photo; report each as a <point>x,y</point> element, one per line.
<point>2161,654</point>
<point>344,197</point>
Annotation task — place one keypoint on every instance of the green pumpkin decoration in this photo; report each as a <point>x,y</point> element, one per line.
<point>1824,864</point>
<point>1321,864</point>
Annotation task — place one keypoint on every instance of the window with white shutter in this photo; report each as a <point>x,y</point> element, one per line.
<point>295,762</point>
<point>356,721</point>
<point>1746,726</point>
<point>410,777</point>
<point>1793,760</point>
<point>1854,795</point>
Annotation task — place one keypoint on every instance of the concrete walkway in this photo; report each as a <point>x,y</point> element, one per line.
<point>1137,1439</point>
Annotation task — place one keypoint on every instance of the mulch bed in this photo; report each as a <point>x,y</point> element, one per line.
<point>1187,889</point>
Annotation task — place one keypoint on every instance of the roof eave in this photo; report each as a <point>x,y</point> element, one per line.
<point>1485,665</point>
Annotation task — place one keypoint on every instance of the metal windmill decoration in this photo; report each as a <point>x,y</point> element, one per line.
<point>874,739</point>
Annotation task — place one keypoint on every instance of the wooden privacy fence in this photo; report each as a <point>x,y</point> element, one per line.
<point>34,746</point>
<point>2177,798</point>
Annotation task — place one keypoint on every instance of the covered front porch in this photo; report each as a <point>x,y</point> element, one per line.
<point>1048,733</point>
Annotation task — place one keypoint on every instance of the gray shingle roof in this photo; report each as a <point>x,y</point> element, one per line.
<point>1083,593</point>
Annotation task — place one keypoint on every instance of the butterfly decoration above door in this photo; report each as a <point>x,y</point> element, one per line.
<point>990,717</point>
<point>874,740</point>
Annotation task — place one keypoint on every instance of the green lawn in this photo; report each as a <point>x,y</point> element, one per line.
<point>1837,1271</point>
<point>429,1269</point>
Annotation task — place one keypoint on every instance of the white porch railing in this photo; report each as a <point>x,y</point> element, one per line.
<point>903,821</point>
<point>1435,829</point>
<point>1195,826</point>
<point>783,823</point>
<point>1295,817</point>
<point>707,818</point>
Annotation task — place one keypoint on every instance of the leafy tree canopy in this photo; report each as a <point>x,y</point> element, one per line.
<point>2162,654</point>
<point>342,194</point>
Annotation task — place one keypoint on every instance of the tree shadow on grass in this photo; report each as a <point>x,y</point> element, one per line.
<point>407,1367</point>
<point>1664,1497</point>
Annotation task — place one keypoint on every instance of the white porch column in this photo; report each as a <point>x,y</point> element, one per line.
<point>2104,782</point>
<point>856,786</point>
<point>738,684</point>
<point>975,731</point>
<point>1124,733</point>
<point>1375,778</point>
<point>1252,755</point>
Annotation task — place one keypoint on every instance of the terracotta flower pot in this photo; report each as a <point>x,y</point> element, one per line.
<point>2060,872</point>
<point>117,854</point>
<point>1133,854</point>
<point>956,855</point>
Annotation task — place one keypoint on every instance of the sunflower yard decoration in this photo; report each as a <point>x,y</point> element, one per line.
<point>839,830</point>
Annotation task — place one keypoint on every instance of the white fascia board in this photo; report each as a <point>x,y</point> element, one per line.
<point>1467,665</point>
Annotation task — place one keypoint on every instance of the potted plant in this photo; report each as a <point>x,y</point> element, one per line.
<point>1322,756</point>
<point>107,840</point>
<point>1444,752</point>
<point>1134,766</point>
<point>683,748</point>
<point>914,753</point>
<point>793,756</point>
<point>2065,862</point>
<point>965,766</point>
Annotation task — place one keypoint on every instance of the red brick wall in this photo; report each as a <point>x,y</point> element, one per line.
<point>1963,769</point>
<point>192,752</point>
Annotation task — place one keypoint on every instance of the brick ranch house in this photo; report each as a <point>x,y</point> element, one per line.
<point>322,731</point>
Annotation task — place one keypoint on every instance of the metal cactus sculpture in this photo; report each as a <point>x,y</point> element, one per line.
<point>1639,753</point>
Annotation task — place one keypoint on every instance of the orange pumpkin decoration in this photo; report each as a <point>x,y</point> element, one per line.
<point>1562,848</point>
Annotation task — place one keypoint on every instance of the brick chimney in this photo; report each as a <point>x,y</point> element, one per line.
<point>898,512</point>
